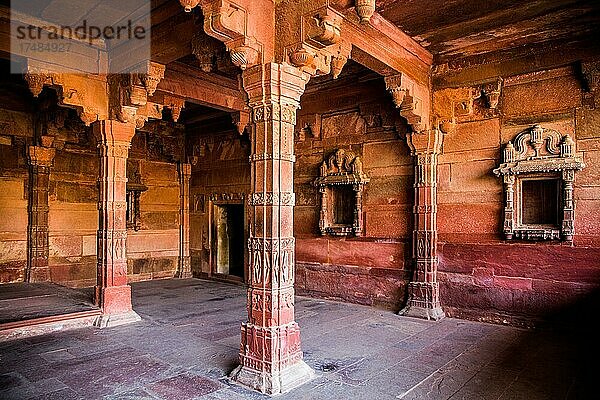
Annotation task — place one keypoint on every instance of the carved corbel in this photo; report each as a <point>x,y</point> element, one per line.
<point>86,94</point>
<point>323,28</point>
<point>126,94</point>
<point>205,48</point>
<point>228,23</point>
<point>451,105</point>
<point>308,125</point>
<point>411,99</point>
<point>36,79</point>
<point>244,52</point>
<point>591,83</point>
<point>189,5</point>
<point>149,110</point>
<point>241,120</point>
<point>365,10</point>
<point>492,92</point>
<point>151,79</point>
<point>339,58</point>
<point>175,104</point>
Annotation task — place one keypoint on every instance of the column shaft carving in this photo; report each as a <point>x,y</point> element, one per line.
<point>40,161</point>
<point>270,354</point>
<point>113,294</point>
<point>423,290</point>
<point>184,267</point>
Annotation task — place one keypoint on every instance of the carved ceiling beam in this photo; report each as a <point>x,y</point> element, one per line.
<point>200,87</point>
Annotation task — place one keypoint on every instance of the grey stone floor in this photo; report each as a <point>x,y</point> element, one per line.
<point>188,341</point>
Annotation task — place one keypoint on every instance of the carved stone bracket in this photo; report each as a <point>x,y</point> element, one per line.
<point>228,22</point>
<point>591,83</point>
<point>412,99</point>
<point>241,120</point>
<point>128,94</point>
<point>86,94</point>
<point>539,153</point>
<point>365,10</point>
<point>206,49</point>
<point>175,104</point>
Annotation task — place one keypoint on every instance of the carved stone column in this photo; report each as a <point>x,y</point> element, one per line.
<point>40,161</point>
<point>184,267</point>
<point>270,353</point>
<point>113,294</point>
<point>423,290</point>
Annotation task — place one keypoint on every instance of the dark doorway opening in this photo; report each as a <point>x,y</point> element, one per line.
<point>229,221</point>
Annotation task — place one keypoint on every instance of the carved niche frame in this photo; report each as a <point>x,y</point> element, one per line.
<point>341,171</point>
<point>539,153</point>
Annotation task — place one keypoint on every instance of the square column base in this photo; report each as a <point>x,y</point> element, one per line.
<point>273,383</point>
<point>434,313</point>
<point>110,320</point>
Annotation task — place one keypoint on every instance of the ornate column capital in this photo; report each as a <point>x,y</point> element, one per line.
<point>425,142</point>
<point>41,156</point>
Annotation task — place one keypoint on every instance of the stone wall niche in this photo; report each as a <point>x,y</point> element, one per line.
<point>539,171</point>
<point>341,184</point>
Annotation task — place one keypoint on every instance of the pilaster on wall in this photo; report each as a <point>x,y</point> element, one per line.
<point>113,294</point>
<point>423,290</point>
<point>270,353</point>
<point>41,159</point>
<point>184,269</point>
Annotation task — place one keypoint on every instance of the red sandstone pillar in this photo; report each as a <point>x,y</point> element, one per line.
<point>270,354</point>
<point>113,294</point>
<point>184,267</point>
<point>424,290</point>
<point>40,161</point>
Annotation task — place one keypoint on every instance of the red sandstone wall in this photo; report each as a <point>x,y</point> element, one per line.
<point>369,270</point>
<point>483,276</point>
<point>15,127</point>
<point>153,250</point>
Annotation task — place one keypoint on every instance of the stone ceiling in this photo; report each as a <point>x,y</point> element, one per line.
<point>452,29</point>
